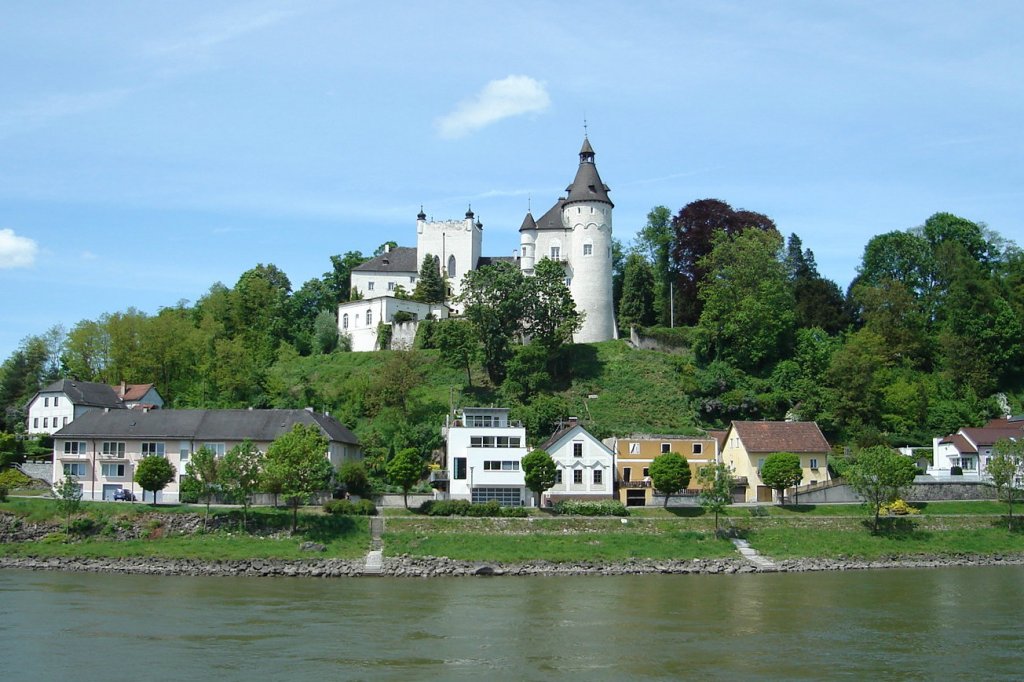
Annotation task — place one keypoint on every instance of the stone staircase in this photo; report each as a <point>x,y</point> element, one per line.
<point>750,554</point>
<point>375,557</point>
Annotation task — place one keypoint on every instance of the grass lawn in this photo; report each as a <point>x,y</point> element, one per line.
<point>556,540</point>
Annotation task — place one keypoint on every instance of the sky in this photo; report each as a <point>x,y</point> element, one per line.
<point>149,150</point>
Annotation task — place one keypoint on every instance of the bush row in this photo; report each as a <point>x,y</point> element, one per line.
<point>591,508</point>
<point>350,508</point>
<point>467,508</point>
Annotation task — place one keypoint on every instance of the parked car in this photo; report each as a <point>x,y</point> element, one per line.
<point>124,495</point>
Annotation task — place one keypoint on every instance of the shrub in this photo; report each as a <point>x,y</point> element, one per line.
<point>82,526</point>
<point>467,508</point>
<point>897,508</point>
<point>589,508</point>
<point>12,478</point>
<point>956,471</point>
<point>3,493</point>
<point>189,490</point>
<point>350,508</point>
<point>354,478</point>
<point>758,512</point>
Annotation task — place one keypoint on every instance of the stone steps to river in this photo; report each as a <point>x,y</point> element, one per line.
<point>751,555</point>
<point>375,557</point>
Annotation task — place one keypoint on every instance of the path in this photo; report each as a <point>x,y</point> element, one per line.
<point>751,555</point>
<point>375,557</point>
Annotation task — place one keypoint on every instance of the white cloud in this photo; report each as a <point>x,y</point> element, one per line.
<point>510,96</point>
<point>15,251</point>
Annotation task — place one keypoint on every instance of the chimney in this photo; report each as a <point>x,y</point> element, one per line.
<point>124,387</point>
<point>573,421</point>
<point>310,410</point>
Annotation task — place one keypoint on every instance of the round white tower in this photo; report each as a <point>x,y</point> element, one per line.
<point>586,214</point>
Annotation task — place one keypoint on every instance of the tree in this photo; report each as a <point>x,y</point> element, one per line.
<point>405,470</point>
<point>240,472</point>
<point>354,477</point>
<point>655,240</point>
<point>69,500</point>
<point>716,488</point>
<point>325,332</point>
<point>880,476</point>
<point>153,473</point>
<point>539,472</point>
<point>693,231</point>
<point>430,287</point>
<point>670,473</point>
<point>204,468</point>
<point>494,297</point>
<point>297,461</point>
<point>781,470</point>
<point>636,308</point>
<point>1005,469</point>
<point>747,319</point>
<point>458,345</point>
<point>339,278</point>
<point>550,315</point>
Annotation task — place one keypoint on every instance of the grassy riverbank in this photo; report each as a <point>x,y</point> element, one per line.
<point>107,530</point>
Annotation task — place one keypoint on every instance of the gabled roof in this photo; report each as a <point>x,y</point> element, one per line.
<point>781,436</point>
<point>551,220</point>
<point>398,259</point>
<point>208,425</point>
<point>85,393</point>
<point>572,430</point>
<point>492,260</point>
<point>719,436</point>
<point>132,392</point>
<point>985,436</point>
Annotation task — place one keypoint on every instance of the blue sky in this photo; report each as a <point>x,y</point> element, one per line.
<point>148,150</point>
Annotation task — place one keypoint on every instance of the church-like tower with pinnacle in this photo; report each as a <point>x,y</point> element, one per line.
<point>577,231</point>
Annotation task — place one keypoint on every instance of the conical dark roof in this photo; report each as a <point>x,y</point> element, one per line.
<point>587,185</point>
<point>528,222</point>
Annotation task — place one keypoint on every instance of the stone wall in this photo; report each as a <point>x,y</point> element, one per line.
<point>41,470</point>
<point>403,335</point>
<point>925,489</point>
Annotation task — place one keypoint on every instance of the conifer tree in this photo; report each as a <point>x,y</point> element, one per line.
<point>430,287</point>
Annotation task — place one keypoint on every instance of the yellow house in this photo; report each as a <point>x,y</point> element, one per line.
<point>747,444</point>
<point>633,457</point>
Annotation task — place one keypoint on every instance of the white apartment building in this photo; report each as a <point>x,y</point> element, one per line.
<point>483,452</point>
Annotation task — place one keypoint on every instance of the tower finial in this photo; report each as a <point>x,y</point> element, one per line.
<point>585,124</point>
<point>529,203</point>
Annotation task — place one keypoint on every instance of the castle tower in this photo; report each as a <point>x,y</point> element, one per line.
<point>454,243</point>
<point>577,231</point>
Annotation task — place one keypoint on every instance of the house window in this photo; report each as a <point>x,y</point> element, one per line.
<point>666,447</point>
<point>460,469</point>
<point>65,421</point>
<point>814,462</point>
<point>451,266</point>
<point>74,468</point>
<point>558,477</point>
<point>344,321</point>
<point>46,422</point>
<point>369,286</point>
<point>391,286</point>
<point>369,317</point>
<point>588,249</point>
<point>46,402</point>
<point>968,463</point>
<point>183,450</point>
<point>217,449</point>
<point>74,447</point>
<point>112,470</point>
<point>35,422</point>
<point>760,463</point>
<point>647,472</point>
<point>577,449</point>
<point>55,399</point>
<point>556,252</point>
<point>501,465</point>
<point>152,448</point>
<point>598,477</point>
<point>698,448</point>
<point>634,448</point>
<point>627,472</point>
<point>112,448</point>
<point>577,476</point>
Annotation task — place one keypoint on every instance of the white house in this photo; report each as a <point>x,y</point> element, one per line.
<point>359,320</point>
<point>970,448</point>
<point>63,401</point>
<point>100,449</point>
<point>586,466</point>
<point>483,455</point>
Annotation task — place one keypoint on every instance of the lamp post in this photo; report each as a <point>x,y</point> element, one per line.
<point>470,484</point>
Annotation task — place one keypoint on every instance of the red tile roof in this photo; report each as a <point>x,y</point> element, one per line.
<point>132,392</point>
<point>781,437</point>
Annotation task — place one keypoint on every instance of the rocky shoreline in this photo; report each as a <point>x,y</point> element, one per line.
<point>438,567</point>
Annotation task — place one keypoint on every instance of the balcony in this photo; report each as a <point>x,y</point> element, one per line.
<point>634,484</point>
<point>439,478</point>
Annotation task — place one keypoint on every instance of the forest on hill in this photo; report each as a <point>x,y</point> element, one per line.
<point>927,338</point>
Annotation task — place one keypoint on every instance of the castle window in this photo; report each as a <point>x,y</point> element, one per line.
<point>451,266</point>
<point>369,317</point>
<point>588,249</point>
<point>344,321</point>
<point>369,286</point>
<point>556,252</point>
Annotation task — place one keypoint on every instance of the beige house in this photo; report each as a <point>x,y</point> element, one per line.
<point>633,457</point>
<point>748,444</point>
<point>100,449</point>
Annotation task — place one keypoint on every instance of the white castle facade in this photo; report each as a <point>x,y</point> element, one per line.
<point>576,231</point>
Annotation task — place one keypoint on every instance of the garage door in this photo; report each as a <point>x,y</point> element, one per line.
<point>764,493</point>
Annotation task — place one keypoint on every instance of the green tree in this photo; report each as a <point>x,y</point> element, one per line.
<point>297,460</point>
<point>880,475</point>
<point>655,240</point>
<point>716,482</point>
<point>747,318</point>
<point>495,303</point>
<point>325,332</point>
<point>204,468</point>
<point>781,470</point>
<point>458,345</point>
<point>551,317</point>
<point>355,479</point>
<point>539,472</point>
<point>153,473</point>
<point>670,473</point>
<point>636,308</point>
<point>405,470</point>
<point>241,472</point>
<point>430,287</point>
<point>68,494</point>
<point>339,278</point>
<point>1005,468</point>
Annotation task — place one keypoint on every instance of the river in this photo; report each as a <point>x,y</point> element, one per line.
<point>950,623</point>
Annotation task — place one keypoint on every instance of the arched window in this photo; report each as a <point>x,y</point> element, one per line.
<point>451,266</point>
<point>344,321</point>
<point>369,317</point>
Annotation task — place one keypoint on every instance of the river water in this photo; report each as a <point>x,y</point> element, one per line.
<point>953,623</point>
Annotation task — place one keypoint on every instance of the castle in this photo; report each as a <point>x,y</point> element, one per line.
<point>576,231</point>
